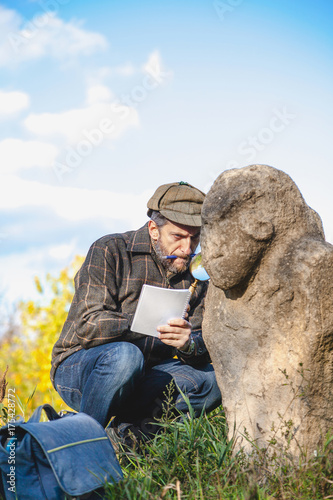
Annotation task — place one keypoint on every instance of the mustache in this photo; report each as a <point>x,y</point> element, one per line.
<point>168,263</point>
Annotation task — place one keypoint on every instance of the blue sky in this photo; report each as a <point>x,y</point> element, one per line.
<point>101,102</point>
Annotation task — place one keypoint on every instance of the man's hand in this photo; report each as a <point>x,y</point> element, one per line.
<point>176,333</point>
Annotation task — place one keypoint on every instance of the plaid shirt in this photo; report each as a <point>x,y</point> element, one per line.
<point>107,289</point>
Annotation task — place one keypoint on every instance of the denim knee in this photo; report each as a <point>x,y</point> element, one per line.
<point>122,358</point>
<point>98,380</point>
<point>107,365</point>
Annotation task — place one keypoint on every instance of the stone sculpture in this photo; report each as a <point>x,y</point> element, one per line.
<point>268,322</point>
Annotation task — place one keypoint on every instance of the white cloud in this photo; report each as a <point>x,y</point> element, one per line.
<point>44,35</point>
<point>152,66</point>
<point>13,102</point>
<point>16,154</point>
<point>73,204</point>
<point>98,93</point>
<point>74,125</point>
<point>62,252</point>
<point>18,270</point>
<point>155,68</point>
<point>125,70</point>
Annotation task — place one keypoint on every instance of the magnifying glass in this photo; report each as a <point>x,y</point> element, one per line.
<point>197,270</point>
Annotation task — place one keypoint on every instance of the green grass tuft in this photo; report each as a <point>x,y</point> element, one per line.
<point>191,458</point>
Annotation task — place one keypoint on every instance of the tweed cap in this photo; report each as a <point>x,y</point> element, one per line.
<point>179,202</point>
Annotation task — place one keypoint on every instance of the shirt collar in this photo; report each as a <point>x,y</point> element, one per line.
<point>140,241</point>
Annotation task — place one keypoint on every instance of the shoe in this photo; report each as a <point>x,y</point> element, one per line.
<point>126,437</point>
<point>114,437</point>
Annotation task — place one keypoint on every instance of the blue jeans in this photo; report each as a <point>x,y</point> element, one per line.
<point>111,380</point>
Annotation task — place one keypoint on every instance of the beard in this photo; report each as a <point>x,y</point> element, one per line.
<point>169,264</point>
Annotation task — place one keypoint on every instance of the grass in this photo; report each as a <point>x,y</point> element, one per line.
<point>193,459</point>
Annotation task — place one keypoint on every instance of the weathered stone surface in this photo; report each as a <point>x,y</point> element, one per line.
<point>269,310</point>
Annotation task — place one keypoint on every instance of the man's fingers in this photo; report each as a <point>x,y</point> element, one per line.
<point>176,333</point>
<point>174,339</point>
<point>169,337</point>
<point>173,329</point>
<point>179,322</point>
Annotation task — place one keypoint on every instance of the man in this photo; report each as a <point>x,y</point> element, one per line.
<point>101,367</point>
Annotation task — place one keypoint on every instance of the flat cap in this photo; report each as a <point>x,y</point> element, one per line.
<point>179,202</point>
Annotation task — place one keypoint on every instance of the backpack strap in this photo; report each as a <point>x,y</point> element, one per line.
<point>49,410</point>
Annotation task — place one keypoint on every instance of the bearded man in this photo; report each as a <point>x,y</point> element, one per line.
<point>102,368</point>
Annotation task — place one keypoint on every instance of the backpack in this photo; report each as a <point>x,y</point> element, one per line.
<point>69,456</point>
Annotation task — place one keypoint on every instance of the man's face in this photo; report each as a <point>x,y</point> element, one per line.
<point>175,239</point>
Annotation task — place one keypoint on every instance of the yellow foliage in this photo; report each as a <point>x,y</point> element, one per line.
<point>28,354</point>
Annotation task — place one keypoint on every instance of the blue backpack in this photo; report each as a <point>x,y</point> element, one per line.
<point>69,456</point>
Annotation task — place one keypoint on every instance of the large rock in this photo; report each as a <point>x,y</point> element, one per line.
<point>268,322</point>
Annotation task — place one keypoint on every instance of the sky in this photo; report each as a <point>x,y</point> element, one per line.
<point>101,102</point>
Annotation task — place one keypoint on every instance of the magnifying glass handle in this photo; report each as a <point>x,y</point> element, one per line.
<point>193,286</point>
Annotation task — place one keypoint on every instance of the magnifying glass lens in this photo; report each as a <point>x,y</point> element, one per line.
<point>197,270</point>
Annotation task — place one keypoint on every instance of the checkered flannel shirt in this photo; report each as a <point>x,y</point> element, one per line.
<point>107,289</point>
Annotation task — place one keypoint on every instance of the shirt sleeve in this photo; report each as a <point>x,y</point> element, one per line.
<point>200,354</point>
<point>99,319</point>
